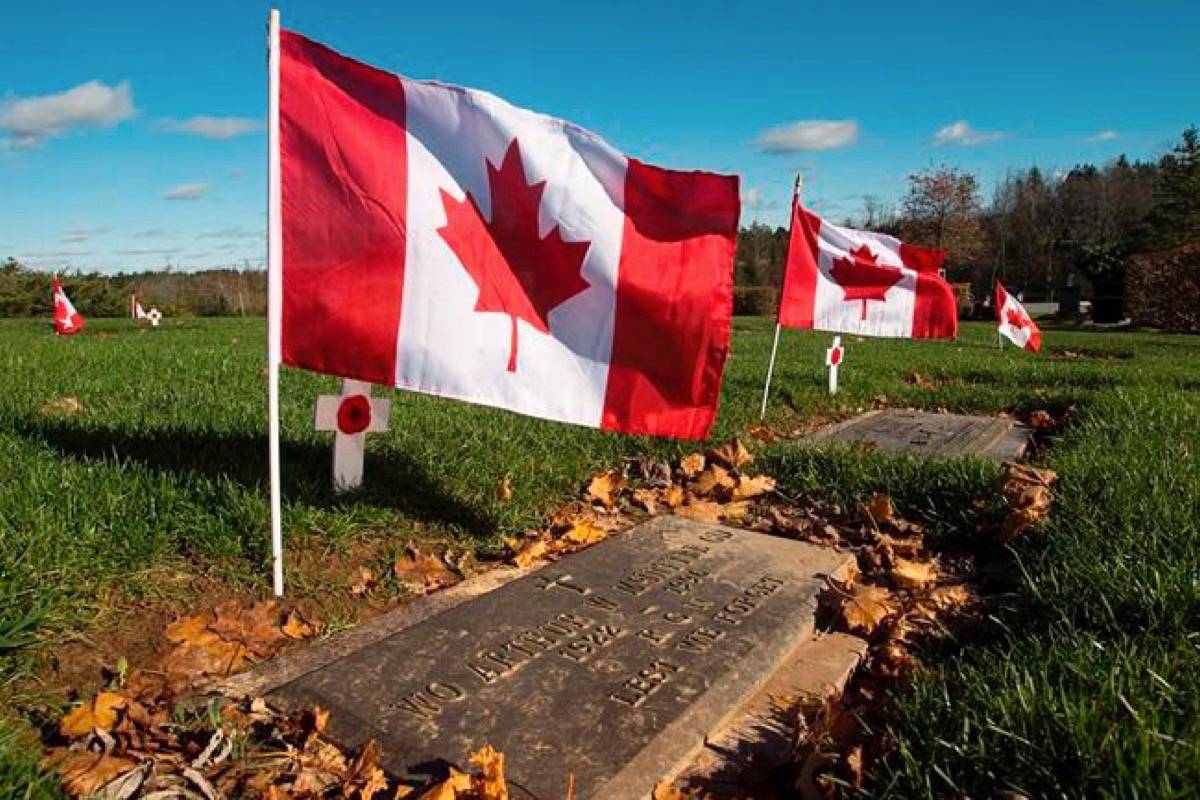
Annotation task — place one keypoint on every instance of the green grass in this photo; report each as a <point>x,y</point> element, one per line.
<point>163,475</point>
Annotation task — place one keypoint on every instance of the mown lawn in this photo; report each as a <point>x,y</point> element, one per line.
<point>1085,685</point>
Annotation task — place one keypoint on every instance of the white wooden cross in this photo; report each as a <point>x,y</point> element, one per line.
<point>352,415</point>
<point>833,357</point>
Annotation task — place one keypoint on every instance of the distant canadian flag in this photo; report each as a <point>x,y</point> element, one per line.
<point>1015,322</point>
<point>871,284</point>
<point>438,239</point>
<point>135,308</point>
<point>67,321</point>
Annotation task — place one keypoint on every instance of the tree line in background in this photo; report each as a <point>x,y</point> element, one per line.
<point>1126,230</point>
<point>1123,230</point>
<point>207,293</point>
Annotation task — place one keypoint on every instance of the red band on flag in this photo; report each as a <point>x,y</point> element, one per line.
<point>798,296</point>
<point>935,310</point>
<point>344,173</point>
<point>672,327</point>
<point>922,259</point>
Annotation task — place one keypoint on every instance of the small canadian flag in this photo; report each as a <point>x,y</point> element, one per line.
<point>67,320</point>
<point>135,308</point>
<point>1015,322</point>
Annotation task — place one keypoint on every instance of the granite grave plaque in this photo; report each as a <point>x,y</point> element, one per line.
<point>924,433</point>
<point>610,665</point>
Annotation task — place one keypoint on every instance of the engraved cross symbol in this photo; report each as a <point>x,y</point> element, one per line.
<point>546,583</point>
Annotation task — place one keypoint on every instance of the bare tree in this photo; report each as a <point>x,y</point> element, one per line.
<point>942,210</point>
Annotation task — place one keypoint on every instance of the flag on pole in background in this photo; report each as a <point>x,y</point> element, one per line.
<point>67,321</point>
<point>135,308</point>
<point>1015,322</point>
<point>871,284</point>
<point>439,239</point>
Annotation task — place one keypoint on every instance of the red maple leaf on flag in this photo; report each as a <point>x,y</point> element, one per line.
<point>519,272</point>
<point>862,278</point>
<point>1016,318</point>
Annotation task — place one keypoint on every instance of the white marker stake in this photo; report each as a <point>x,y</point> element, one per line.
<point>833,357</point>
<point>353,415</point>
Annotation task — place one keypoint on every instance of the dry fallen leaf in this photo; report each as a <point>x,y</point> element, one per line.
<point>646,499</point>
<point>448,789</point>
<point>1041,420</point>
<point>665,790</point>
<point>880,510</point>
<point>605,487</point>
<point>297,626</point>
<point>701,511</point>
<point>84,772</point>
<point>66,406</point>
<point>364,583</point>
<point>584,531</point>
<point>854,766</point>
<point>529,551</point>
<point>753,487</point>
<point>731,455</point>
<point>421,571</point>
<point>506,490</point>
<point>491,784</point>
<point>673,496</point>
<point>714,481</point>
<point>953,596</point>
<point>101,712</point>
<point>913,574</point>
<point>1027,490</point>
<point>691,465</point>
<point>863,607</point>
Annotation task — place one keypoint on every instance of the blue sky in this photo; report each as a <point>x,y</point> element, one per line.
<point>131,133</point>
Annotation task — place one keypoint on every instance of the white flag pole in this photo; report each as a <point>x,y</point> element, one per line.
<point>775,345</point>
<point>770,368</point>
<point>274,295</point>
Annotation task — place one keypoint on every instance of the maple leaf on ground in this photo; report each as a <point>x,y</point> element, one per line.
<point>518,271</point>
<point>863,278</point>
<point>864,607</point>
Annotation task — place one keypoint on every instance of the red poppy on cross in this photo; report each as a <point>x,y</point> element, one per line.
<point>833,357</point>
<point>352,415</point>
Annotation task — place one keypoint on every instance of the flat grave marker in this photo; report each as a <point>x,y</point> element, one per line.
<point>610,665</point>
<point>929,434</point>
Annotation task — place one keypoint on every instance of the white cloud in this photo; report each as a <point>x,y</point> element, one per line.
<point>233,232</point>
<point>1103,136</point>
<point>754,200</point>
<point>213,127</point>
<point>77,235</point>
<point>29,121</point>
<point>812,134</point>
<point>152,233</point>
<point>186,191</point>
<point>961,133</point>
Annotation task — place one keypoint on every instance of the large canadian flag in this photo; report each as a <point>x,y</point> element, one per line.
<point>67,321</point>
<point>862,282</point>
<point>438,239</point>
<point>1015,322</point>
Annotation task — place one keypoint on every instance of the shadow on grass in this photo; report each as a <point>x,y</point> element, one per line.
<point>397,482</point>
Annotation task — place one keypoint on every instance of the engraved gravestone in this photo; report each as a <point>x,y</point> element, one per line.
<point>924,433</point>
<point>609,666</point>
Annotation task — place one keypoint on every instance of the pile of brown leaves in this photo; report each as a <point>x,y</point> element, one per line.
<point>713,486</point>
<point>229,638</point>
<point>124,744</point>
